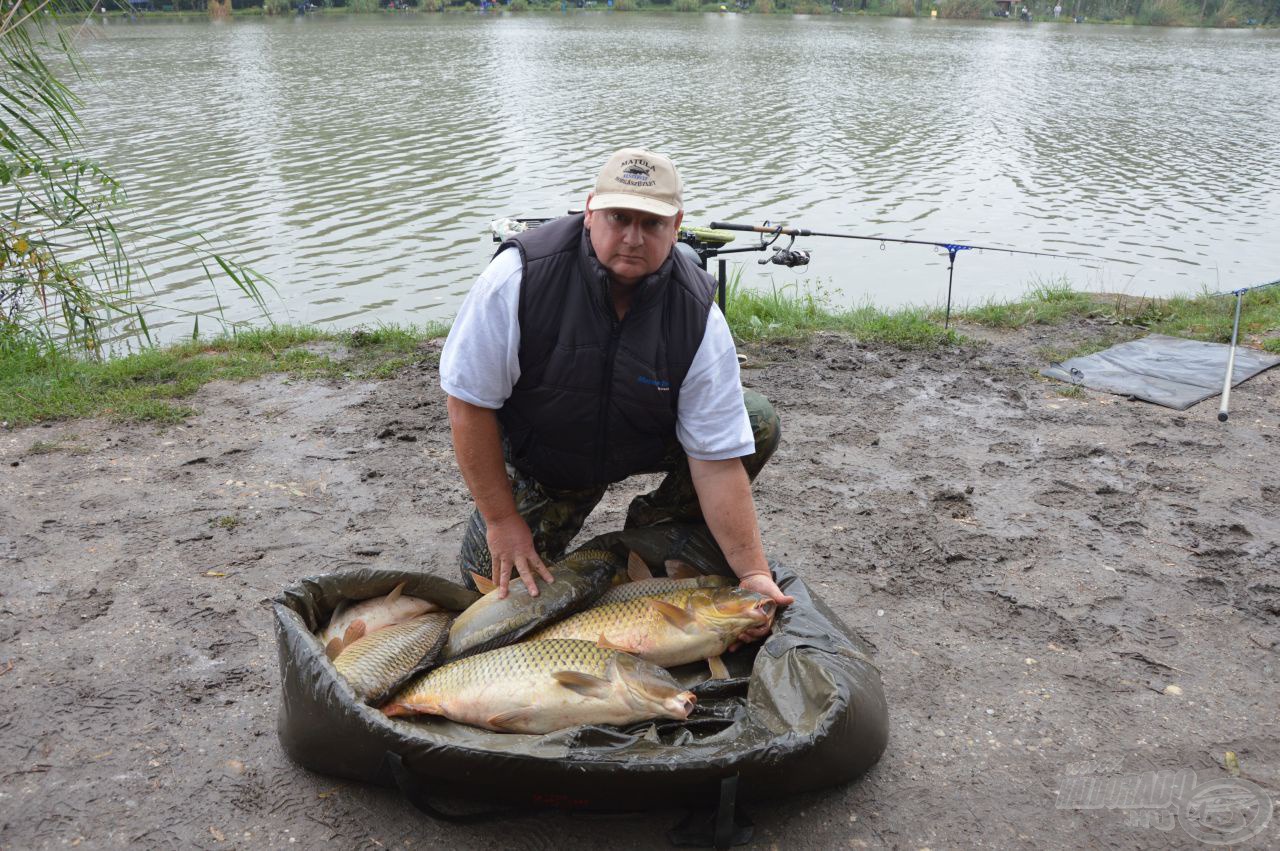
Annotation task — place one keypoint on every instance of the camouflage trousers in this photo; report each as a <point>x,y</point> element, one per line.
<point>555,516</point>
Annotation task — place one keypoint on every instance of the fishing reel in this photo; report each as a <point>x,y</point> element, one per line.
<point>791,258</point>
<point>783,255</point>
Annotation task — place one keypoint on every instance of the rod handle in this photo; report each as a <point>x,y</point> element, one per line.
<point>732,226</point>
<point>758,229</point>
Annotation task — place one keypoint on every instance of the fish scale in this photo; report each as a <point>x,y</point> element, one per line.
<point>545,686</point>
<point>659,585</point>
<point>528,657</point>
<point>375,664</point>
<point>672,628</point>
<point>610,616</point>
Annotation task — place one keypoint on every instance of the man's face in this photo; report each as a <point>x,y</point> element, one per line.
<point>631,243</point>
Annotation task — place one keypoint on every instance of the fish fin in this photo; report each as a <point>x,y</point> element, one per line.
<point>637,569</point>
<point>718,669</point>
<point>583,684</point>
<point>483,583</point>
<point>508,720</point>
<point>609,645</point>
<point>333,648</point>
<point>420,706</point>
<point>676,616</point>
<point>395,592</point>
<point>354,633</point>
<point>677,569</point>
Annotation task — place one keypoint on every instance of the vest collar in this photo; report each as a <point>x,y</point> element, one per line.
<point>599,282</point>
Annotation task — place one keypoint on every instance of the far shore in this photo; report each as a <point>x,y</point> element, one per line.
<point>520,7</point>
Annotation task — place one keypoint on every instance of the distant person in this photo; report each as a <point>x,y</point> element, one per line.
<point>1057,10</point>
<point>590,351</point>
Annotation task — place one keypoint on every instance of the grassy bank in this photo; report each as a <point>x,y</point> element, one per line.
<point>38,385</point>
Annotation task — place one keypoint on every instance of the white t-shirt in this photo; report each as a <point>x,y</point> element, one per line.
<point>481,363</point>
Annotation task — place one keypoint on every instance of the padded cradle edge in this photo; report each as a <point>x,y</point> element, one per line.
<point>813,715</point>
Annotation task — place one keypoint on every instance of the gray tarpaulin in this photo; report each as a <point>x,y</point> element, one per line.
<point>1169,371</point>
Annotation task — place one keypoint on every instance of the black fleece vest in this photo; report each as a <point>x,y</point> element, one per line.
<point>597,397</point>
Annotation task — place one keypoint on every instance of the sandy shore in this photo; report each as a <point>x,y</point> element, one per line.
<point>1055,588</point>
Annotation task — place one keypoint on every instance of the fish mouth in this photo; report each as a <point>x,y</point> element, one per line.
<point>682,704</point>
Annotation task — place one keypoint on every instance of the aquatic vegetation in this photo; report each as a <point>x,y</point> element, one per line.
<point>68,276</point>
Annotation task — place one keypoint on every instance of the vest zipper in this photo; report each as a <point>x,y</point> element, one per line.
<point>606,391</point>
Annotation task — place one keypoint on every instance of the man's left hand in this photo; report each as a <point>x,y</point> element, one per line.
<point>761,583</point>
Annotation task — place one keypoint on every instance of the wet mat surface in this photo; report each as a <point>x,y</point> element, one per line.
<point>1168,371</point>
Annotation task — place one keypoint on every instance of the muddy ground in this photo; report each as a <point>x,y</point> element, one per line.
<point>1054,587</point>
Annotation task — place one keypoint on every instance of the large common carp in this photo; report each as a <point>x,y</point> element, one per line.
<point>660,585</point>
<point>543,686</point>
<point>686,625</point>
<point>352,620</point>
<point>382,661</point>
<point>580,578</point>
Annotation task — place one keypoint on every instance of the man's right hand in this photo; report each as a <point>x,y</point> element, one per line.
<point>511,546</point>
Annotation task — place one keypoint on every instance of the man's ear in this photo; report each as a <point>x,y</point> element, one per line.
<point>586,221</point>
<point>679,219</point>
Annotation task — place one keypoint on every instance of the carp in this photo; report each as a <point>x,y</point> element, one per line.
<point>673,628</point>
<point>659,585</point>
<point>377,664</point>
<point>638,581</point>
<point>353,619</point>
<point>544,686</point>
<point>491,621</point>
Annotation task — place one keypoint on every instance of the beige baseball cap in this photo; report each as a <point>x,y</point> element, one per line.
<point>636,179</point>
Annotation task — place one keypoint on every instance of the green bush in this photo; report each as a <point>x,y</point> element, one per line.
<point>276,7</point>
<point>1228,16</point>
<point>904,8</point>
<point>764,7</point>
<point>686,6</point>
<point>968,9</point>
<point>624,5</point>
<point>362,5</point>
<point>1165,13</point>
<point>519,5</point>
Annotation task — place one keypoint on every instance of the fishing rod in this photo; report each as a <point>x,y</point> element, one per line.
<point>952,248</point>
<point>1231,355</point>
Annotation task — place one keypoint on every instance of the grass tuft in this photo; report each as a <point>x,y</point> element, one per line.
<point>40,384</point>
<point>795,310</point>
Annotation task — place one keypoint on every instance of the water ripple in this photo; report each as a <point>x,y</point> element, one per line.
<point>358,161</point>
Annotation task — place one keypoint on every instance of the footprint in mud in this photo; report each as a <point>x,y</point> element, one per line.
<point>1111,617</point>
<point>1004,617</point>
<point>1264,599</point>
<point>1219,532</point>
<point>1210,591</point>
<point>954,502</point>
<point>1062,494</point>
<point>80,607</point>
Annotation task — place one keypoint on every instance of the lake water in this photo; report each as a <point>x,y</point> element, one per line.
<point>358,160</point>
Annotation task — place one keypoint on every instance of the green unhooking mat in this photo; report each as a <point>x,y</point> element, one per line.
<point>802,710</point>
